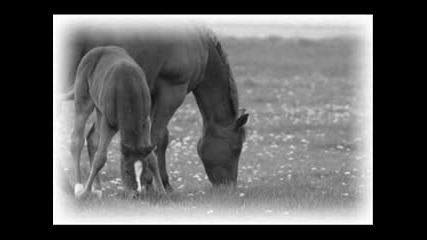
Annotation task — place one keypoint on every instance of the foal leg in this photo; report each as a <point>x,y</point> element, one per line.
<point>147,175</point>
<point>146,178</point>
<point>92,140</point>
<point>152,164</point>
<point>83,108</point>
<point>106,134</point>
<point>127,169</point>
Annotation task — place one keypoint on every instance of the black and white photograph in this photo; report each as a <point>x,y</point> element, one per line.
<point>213,119</point>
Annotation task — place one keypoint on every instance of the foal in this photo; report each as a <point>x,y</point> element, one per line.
<point>109,81</point>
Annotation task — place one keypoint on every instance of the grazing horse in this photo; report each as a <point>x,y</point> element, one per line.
<point>108,80</point>
<point>177,61</point>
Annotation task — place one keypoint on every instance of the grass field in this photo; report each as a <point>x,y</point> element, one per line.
<point>302,153</point>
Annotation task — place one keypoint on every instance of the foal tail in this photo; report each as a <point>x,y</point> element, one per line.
<point>63,97</point>
<point>67,96</point>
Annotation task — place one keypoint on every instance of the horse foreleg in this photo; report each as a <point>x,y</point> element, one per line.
<point>161,158</point>
<point>166,102</point>
<point>147,175</point>
<point>152,164</point>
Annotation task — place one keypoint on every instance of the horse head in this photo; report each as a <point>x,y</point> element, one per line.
<point>220,148</point>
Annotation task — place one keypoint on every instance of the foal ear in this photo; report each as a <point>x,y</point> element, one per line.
<point>150,149</point>
<point>153,148</point>
<point>242,120</point>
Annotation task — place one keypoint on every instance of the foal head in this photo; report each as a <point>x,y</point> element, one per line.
<point>127,164</point>
<point>135,146</point>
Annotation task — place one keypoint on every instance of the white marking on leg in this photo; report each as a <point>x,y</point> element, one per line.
<point>78,189</point>
<point>138,171</point>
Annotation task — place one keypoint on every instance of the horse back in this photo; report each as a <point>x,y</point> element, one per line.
<point>178,56</point>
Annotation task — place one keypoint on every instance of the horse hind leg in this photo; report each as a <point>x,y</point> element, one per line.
<point>82,108</point>
<point>166,102</point>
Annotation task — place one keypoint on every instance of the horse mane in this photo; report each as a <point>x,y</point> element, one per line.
<point>231,82</point>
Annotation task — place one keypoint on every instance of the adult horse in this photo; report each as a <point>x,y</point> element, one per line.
<point>110,82</point>
<point>178,61</point>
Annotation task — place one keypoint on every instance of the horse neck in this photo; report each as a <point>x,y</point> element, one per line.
<point>216,94</point>
<point>216,104</point>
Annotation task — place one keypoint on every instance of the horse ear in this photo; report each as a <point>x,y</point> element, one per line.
<point>242,120</point>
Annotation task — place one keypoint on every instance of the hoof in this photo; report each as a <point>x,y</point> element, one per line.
<point>78,189</point>
<point>132,194</point>
<point>82,195</point>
